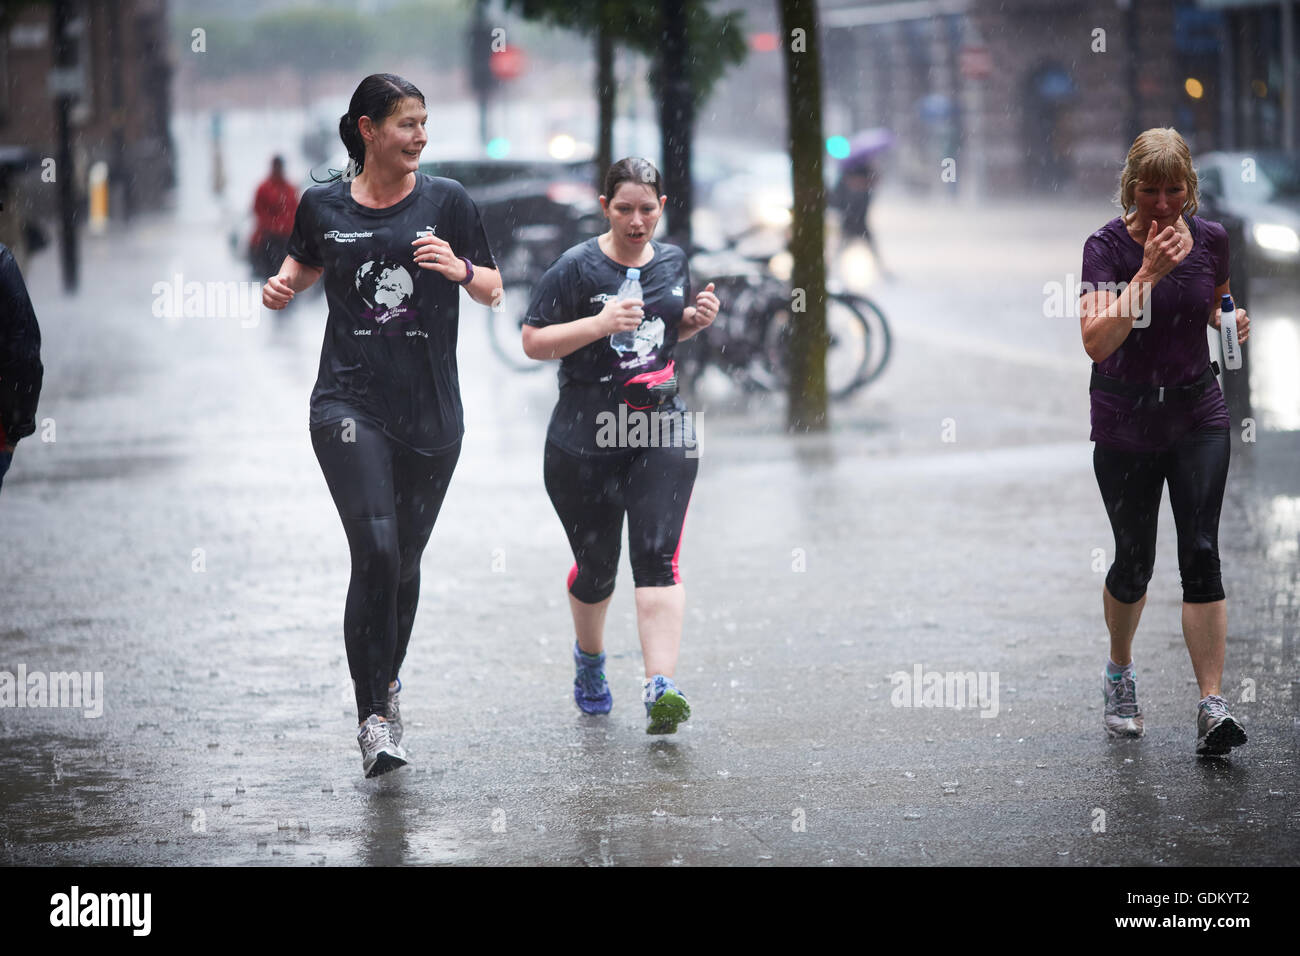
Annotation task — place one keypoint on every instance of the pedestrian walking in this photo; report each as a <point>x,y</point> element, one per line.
<point>852,196</point>
<point>1158,417</point>
<point>274,205</point>
<point>395,247</point>
<point>617,367</point>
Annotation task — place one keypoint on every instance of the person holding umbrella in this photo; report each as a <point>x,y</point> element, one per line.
<point>859,176</point>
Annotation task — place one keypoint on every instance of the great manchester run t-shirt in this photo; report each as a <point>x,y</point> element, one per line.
<point>389,354</point>
<point>1171,350</point>
<point>576,286</point>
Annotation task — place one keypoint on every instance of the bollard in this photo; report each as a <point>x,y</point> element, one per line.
<point>97,184</point>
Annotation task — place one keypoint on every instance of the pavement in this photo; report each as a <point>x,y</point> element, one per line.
<point>173,532</point>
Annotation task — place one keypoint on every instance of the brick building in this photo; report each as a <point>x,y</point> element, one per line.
<point>1046,95</point>
<point>122,111</point>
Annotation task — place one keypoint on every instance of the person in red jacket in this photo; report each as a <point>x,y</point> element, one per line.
<point>275,205</point>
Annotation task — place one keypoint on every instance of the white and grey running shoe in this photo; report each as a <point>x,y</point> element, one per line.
<point>1217,731</point>
<point>379,754</point>
<point>1123,717</point>
<point>395,713</point>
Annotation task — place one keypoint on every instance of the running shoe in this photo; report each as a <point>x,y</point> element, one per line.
<point>1217,730</point>
<point>590,689</point>
<point>1122,715</point>
<point>395,713</point>
<point>665,707</point>
<point>378,752</point>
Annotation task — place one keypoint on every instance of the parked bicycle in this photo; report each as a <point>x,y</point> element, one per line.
<point>750,341</point>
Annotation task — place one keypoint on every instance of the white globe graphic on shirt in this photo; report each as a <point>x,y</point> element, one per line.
<point>385,287</point>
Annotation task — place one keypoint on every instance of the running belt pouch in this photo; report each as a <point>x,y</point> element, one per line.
<point>651,388</point>
<point>1146,395</point>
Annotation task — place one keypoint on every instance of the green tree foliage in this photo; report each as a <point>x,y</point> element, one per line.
<point>717,41</point>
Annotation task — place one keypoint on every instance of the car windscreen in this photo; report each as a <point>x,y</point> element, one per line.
<point>1267,179</point>
<point>474,175</point>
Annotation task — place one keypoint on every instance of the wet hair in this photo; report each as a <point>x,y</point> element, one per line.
<point>378,97</point>
<point>1158,156</point>
<point>633,169</point>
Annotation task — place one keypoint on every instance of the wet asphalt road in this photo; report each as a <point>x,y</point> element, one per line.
<point>815,568</point>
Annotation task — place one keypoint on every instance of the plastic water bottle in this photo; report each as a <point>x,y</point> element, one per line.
<point>630,289</point>
<point>1228,333</point>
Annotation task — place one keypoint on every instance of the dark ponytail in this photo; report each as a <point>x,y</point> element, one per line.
<point>633,169</point>
<point>377,96</point>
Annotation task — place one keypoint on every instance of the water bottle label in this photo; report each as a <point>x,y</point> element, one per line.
<point>1231,347</point>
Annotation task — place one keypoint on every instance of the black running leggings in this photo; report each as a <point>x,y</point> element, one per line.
<point>388,497</point>
<point>1196,467</point>
<point>591,494</point>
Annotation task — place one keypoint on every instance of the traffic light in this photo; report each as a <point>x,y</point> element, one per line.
<point>481,78</point>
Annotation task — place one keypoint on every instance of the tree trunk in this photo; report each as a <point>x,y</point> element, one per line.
<point>605,85</point>
<point>676,120</point>
<point>807,409</point>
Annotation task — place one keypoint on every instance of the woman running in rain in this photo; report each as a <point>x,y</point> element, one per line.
<point>395,247</point>
<point>1159,416</point>
<point>618,387</point>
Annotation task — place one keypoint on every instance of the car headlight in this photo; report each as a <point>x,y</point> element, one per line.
<point>1276,238</point>
<point>773,215</point>
<point>772,208</point>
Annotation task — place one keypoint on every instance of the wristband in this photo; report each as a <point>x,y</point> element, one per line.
<point>469,270</point>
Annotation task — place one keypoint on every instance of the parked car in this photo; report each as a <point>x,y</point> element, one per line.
<point>1262,190</point>
<point>532,210</point>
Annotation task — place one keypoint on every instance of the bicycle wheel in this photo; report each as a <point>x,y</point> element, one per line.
<point>857,347</point>
<point>878,337</point>
<point>862,342</point>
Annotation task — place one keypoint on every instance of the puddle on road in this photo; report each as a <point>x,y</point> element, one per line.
<point>58,789</point>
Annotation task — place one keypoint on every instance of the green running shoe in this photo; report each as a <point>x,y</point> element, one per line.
<point>665,707</point>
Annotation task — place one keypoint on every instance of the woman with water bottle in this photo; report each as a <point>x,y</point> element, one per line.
<point>621,440</point>
<point>1152,279</point>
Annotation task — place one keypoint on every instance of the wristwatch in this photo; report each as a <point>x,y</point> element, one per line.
<point>469,270</point>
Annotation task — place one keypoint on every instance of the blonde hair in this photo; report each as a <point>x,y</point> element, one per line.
<point>1159,155</point>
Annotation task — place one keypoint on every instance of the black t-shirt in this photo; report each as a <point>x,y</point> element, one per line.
<point>576,286</point>
<point>389,353</point>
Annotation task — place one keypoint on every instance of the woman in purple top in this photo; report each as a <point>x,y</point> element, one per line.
<point>1153,278</point>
